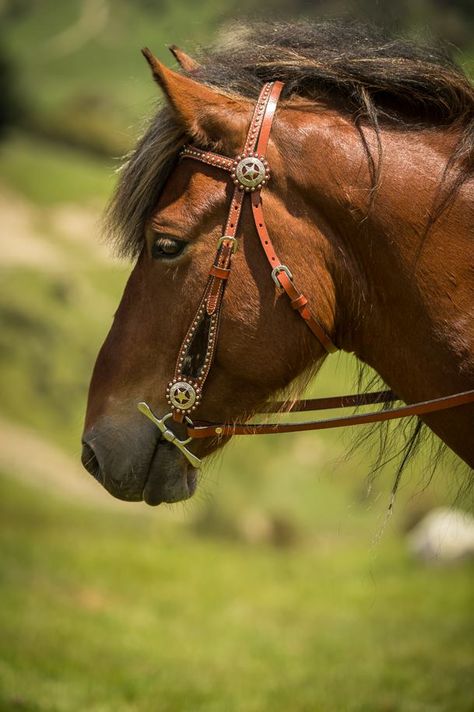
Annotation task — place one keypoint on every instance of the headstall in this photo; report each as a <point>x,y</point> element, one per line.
<point>250,173</point>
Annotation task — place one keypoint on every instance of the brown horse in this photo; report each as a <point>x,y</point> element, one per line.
<point>370,203</point>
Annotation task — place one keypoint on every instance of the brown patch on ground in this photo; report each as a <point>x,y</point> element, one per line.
<point>91,599</point>
<point>27,232</point>
<point>22,241</point>
<point>31,458</point>
<point>81,226</point>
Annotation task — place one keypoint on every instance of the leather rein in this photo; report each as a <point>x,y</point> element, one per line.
<point>250,173</point>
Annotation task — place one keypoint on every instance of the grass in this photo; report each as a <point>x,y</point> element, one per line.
<point>49,175</point>
<point>53,315</point>
<point>108,60</point>
<point>60,315</point>
<point>111,612</point>
<point>95,88</point>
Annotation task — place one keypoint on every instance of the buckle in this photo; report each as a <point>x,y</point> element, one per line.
<point>276,271</point>
<point>228,238</point>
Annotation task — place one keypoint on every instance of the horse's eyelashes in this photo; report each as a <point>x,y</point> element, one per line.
<point>167,248</point>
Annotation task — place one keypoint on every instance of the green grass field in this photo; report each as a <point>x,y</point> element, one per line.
<point>281,586</point>
<point>123,612</point>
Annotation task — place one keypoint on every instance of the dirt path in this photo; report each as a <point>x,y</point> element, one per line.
<point>41,237</point>
<point>31,458</point>
<point>21,238</point>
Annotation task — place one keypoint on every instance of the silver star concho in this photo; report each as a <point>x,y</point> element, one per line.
<point>182,395</point>
<point>250,172</point>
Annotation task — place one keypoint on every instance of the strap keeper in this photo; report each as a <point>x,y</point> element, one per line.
<point>219,272</point>
<point>299,302</point>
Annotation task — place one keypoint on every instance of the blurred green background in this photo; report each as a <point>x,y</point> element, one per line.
<point>282,585</point>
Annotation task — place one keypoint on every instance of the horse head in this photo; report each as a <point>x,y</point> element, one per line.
<point>261,347</point>
<point>385,266</point>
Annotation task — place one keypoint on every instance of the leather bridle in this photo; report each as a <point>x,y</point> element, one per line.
<point>250,173</point>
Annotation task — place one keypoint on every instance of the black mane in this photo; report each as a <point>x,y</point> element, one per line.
<point>358,67</point>
<point>366,74</point>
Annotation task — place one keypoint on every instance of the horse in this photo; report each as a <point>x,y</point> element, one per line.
<point>367,188</point>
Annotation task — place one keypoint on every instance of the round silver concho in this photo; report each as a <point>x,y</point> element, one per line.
<point>182,395</point>
<point>251,172</point>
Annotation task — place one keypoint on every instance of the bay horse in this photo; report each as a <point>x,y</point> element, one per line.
<point>367,146</point>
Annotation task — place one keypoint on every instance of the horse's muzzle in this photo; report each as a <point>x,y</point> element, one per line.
<point>136,464</point>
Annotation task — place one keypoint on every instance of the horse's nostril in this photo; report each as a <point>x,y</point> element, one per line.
<point>90,462</point>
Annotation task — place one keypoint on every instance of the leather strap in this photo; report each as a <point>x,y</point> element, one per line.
<point>284,278</point>
<point>260,118</point>
<point>332,402</point>
<point>220,272</point>
<point>211,301</point>
<point>206,430</point>
<point>212,159</point>
<point>264,135</point>
<point>257,141</point>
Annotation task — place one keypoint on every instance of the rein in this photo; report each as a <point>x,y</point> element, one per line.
<point>250,173</point>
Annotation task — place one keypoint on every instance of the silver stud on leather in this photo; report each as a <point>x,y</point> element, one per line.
<point>250,172</point>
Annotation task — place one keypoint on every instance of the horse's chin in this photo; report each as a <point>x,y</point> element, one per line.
<point>170,477</point>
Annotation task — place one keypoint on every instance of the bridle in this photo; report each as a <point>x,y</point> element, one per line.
<point>250,173</point>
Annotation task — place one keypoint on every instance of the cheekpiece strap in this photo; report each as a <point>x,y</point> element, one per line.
<point>250,172</point>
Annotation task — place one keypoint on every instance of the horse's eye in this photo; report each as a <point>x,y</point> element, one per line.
<point>167,248</point>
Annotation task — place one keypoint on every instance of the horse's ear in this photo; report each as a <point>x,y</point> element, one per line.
<point>185,61</point>
<point>206,114</point>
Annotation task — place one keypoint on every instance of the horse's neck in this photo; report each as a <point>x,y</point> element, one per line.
<point>409,310</point>
<point>418,282</point>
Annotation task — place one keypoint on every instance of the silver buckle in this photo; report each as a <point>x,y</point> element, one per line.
<point>276,271</point>
<point>169,435</point>
<point>228,238</point>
